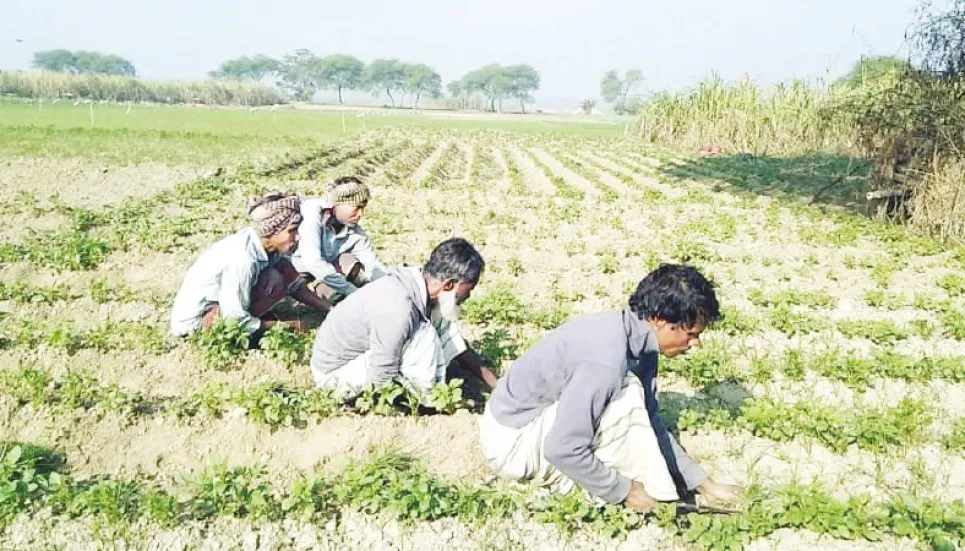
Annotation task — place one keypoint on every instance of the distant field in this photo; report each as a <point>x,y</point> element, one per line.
<point>200,135</point>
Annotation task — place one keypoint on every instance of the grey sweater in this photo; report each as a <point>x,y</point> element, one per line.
<point>581,366</point>
<point>378,318</point>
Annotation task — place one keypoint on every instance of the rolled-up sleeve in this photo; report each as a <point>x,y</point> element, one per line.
<point>365,253</point>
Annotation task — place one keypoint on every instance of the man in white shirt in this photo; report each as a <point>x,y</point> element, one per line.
<point>335,255</point>
<point>243,276</point>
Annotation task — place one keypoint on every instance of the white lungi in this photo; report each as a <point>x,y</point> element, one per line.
<point>625,442</point>
<point>425,357</point>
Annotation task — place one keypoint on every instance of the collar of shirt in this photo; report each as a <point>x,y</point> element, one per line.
<point>332,222</point>
<point>259,249</point>
<point>641,339</point>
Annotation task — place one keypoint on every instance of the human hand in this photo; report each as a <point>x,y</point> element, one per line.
<point>488,377</point>
<point>639,500</point>
<point>299,326</point>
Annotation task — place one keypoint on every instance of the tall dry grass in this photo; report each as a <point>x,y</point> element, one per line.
<point>938,202</point>
<point>129,89</point>
<point>746,118</point>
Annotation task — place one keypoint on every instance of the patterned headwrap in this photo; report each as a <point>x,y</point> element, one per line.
<point>348,190</point>
<point>274,212</point>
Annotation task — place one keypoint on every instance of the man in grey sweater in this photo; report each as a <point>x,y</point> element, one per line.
<point>402,326</point>
<point>580,406</point>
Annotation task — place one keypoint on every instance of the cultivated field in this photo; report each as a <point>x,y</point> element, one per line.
<point>831,389</point>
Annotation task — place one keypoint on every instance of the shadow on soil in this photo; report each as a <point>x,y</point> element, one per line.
<point>728,395</point>
<point>821,178</point>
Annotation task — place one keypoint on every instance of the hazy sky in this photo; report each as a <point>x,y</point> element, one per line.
<point>571,43</point>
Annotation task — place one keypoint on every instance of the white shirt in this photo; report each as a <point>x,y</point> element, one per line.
<point>224,274</point>
<point>319,248</point>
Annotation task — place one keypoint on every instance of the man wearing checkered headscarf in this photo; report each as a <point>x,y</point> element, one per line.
<point>245,275</point>
<point>273,212</point>
<point>335,256</point>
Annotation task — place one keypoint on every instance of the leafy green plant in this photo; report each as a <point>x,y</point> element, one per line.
<point>953,284</point>
<point>223,344</point>
<point>877,331</point>
<point>309,498</point>
<point>386,399</point>
<point>954,322</point>
<point>238,492</point>
<point>103,292</point>
<point>791,322</point>
<point>395,483</point>
<point>23,478</point>
<point>276,406</point>
<point>498,306</point>
<point>446,397</point>
<point>65,250</point>
<point>704,367</point>
<point>496,346</point>
<point>22,292</point>
<point>878,298</point>
<point>27,385</point>
<point>734,322</point>
<point>284,344</point>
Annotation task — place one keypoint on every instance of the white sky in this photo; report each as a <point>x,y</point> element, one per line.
<point>571,43</point>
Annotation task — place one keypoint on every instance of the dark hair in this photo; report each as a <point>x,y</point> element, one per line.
<point>676,294</point>
<point>455,259</point>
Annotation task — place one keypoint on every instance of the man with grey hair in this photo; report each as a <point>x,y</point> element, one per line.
<point>335,256</point>
<point>403,326</point>
<point>243,276</point>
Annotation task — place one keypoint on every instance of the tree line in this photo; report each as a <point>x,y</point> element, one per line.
<point>303,73</point>
<point>83,62</point>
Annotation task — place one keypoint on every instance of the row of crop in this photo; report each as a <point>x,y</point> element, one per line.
<point>277,404</point>
<point>901,426</point>
<point>441,171</point>
<point>272,404</point>
<point>607,193</point>
<point>484,166</point>
<point>396,486</point>
<point>649,194</point>
<point>563,189</point>
<point>517,187</point>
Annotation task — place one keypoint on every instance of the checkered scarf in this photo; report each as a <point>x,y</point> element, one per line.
<point>274,212</point>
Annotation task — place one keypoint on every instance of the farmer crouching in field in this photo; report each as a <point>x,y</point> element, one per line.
<point>335,256</point>
<point>402,327</point>
<point>580,406</point>
<point>245,275</point>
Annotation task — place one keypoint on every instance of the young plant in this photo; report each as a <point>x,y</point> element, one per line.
<point>222,345</point>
